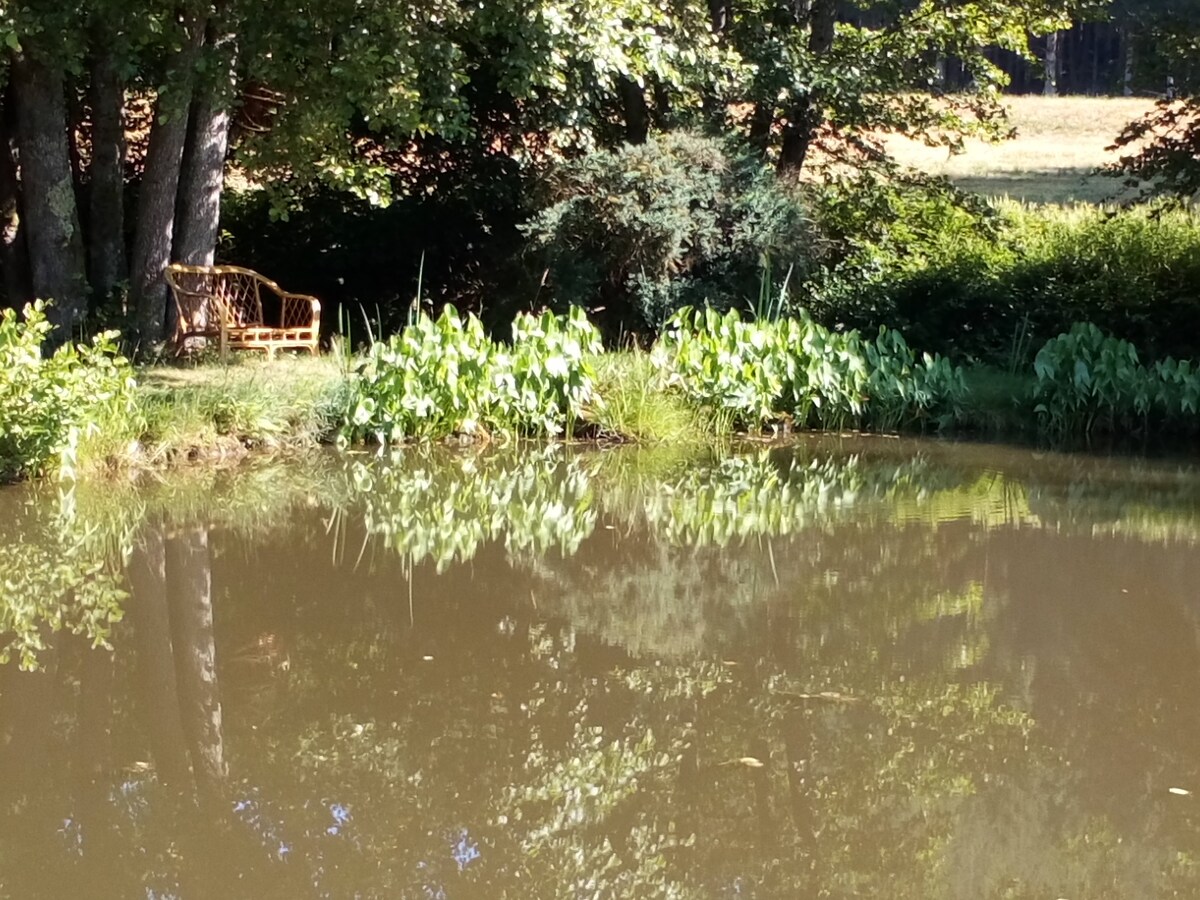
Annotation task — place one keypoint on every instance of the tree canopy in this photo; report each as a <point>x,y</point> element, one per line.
<point>383,99</point>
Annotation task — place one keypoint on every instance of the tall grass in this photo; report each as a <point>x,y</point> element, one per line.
<point>640,406</point>
<point>178,414</point>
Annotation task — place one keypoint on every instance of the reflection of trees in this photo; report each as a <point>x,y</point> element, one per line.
<point>52,577</point>
<point>189,586</point>
<point>628,781</point>
<point>172,615</point>
<point>150,616</point>
<point>776,677</point>
<point>59,552</point>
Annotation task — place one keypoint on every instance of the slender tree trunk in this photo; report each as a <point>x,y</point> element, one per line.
<point>155,229</point>
<point>150,615</point>
<point>720,16</point>
<point>199,205</point>
<point>1094,85</point>
<point>806,116</point>
<point>53,237</point>
<point>662,111</point>
<point>637,114</point>
<point>1050,62</point>
<point>189,586</point>
<point>1130,63</point>
<point>14,256</point>
<point>761,121</point>
<point>76,115</point>
<point>106,208</point>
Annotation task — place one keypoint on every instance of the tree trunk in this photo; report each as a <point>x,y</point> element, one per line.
<point>805,116</point>
<point>199,207</point>
<point>1127,82</point>
<point>1050,79</point>
<point>198,211</point>
<point>76,115</point>
<point>106,208</point>
<point>14,257</point>
<point>637,114</point>
<point>155,229</point>
<point>1094,84</point>
<point>189,587</point>
<point>53,238</point>
<point>761,121</point>
<point>720,16</point>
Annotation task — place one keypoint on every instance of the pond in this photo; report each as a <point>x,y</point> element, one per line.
<point>844,667</point>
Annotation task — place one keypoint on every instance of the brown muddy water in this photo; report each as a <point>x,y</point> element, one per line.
<point>845,668</point>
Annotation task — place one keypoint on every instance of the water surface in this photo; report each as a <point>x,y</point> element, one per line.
<point>845,668</point>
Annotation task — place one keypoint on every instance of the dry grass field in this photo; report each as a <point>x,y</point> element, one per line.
<point>1060,142</point>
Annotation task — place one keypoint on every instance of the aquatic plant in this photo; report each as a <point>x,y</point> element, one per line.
<point>544,384</point>
<point>445,376</point>
<point>1086,380</point>
<point>794,368</point>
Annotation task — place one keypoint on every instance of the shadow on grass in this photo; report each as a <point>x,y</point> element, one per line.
<point>1048,187</point>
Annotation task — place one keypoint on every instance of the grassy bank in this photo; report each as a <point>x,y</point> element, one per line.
<point>211,412</point>
<point>218,411</point>
<point>709,375</point>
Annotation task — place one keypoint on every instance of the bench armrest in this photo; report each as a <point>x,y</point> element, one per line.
<point>300,311</point>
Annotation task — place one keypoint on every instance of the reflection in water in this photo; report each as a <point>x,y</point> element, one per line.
<point>847,668</point>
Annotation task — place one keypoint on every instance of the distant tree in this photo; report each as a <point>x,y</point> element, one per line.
<point>1161,150</point>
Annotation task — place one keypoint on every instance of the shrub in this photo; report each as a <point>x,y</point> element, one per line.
<point>983,284</point>
<point>762,371</point>
<point>681,220</point>
<point>48,403</point>
<point>445,376</point>
<point>453,233</point>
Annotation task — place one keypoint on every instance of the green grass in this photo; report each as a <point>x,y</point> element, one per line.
<point>218,411</point>
<point>997,402</point>
<point>637,406</point>
<point>211,412</point>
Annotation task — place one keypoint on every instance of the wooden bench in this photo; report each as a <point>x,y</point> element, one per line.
<point>229,304</point>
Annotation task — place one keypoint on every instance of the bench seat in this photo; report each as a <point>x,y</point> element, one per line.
<point>241,309</point>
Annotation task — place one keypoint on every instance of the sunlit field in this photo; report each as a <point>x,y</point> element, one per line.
<point>1059,144</point>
